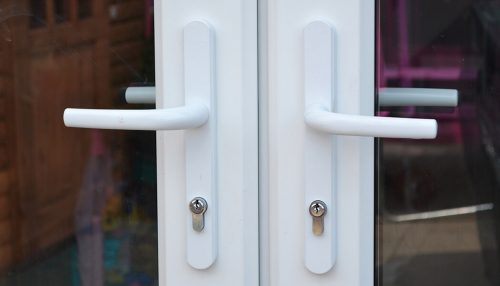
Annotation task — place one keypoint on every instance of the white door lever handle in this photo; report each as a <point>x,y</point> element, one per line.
<point>319,152</point>
<point>177,118</point>
<point>319,96</point>
<point>320,118</point>
<point>198,116</point>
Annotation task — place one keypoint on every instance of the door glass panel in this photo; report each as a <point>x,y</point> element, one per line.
<point>61,10</point>
<point>85,9</point>
<point>438,217</point>
<point>36,10</point>
<point>77,206</point>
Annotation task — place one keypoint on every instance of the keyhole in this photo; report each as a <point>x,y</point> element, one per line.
<point>197,205</point>
<point>316,208</point>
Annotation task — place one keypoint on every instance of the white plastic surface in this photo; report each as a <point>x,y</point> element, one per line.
<point>320,118</point>
<point>235,82</point>
<point>320,251</point>
<point>319,97</point>
<point>400,96</point>
<point>177,118</point>
<point>201,152</point>
<point>141,94</point>
<point>354,23</point>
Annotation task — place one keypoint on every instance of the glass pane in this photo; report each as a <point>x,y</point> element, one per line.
<point>84,9</point>
<point>37,12</point>
<point>438,217</point>
<point>77,206</point>
<point>61,10</point>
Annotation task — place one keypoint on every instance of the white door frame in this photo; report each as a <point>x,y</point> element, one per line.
<point>282,194</point>
<point>281,130</point>
<point>234,25</point>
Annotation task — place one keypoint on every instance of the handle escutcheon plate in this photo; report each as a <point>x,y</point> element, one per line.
<point>320,250</point>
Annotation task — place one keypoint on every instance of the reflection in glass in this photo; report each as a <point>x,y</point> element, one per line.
<point>61,10</point>
<point>77,207</point>
<point>438,222</point>
<point>84,9</point>
<point>37,10</point>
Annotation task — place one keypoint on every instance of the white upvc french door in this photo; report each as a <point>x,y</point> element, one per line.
<point>235,255</point>
<point>342,208</point>
<point>265,142</point>
<point>274,253</point>
<point>341,173</point>
<point>312,222</point>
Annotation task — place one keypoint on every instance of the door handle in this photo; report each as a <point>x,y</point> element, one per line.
<point>320,118</point>
<point>319,96</point>
<point>140,94</point>
<point>387,96</point>
<point>198,117</point>
<point>402,96</point>
<point>186,117</point>
<point>322,121</point>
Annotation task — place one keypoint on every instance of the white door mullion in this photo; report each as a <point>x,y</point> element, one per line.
<point>353,23</point>
<point>234,25</point>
